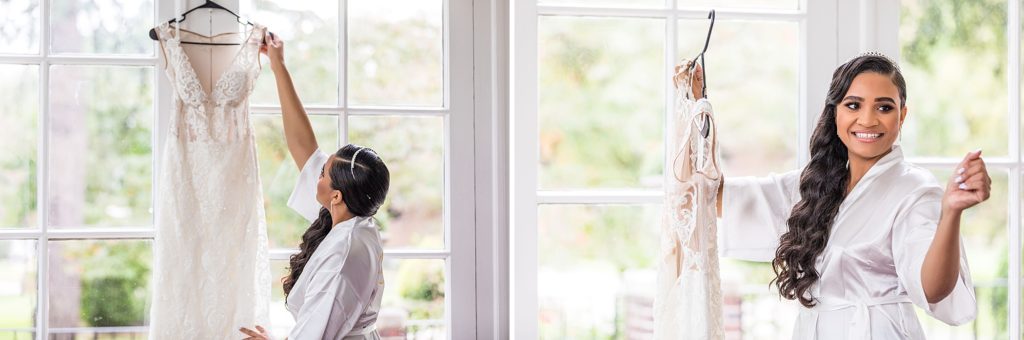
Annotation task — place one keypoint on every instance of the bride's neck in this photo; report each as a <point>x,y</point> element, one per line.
<point>340,217</point>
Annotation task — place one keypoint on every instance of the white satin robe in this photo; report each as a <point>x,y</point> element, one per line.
<point>871,268</point>
<point>339,292</point>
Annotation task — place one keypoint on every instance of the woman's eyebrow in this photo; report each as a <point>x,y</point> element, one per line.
<point>853,98</point>
<point>885,99</point>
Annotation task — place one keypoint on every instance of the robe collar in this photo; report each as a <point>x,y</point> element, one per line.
<point>888,161</point>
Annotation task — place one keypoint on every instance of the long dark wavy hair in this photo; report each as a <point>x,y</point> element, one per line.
<point>363,188</point>
<point>822,185</point>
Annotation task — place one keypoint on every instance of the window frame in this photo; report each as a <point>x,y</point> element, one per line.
<point>459,251</point>
<point>871,24</point>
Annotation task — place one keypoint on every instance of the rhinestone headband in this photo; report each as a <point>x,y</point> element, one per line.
<point>880,55</point>
<point>352,165</point>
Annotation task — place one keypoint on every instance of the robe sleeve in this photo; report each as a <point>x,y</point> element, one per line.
<point>912,235</point>
<point>754,213</point>
<point>336,297</point>
<point>303,198</point>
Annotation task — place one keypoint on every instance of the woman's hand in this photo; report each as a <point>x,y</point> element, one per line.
<point>274,49</point>
<point>969,186</point>
<point>696,80</point>
<point>258,334</point>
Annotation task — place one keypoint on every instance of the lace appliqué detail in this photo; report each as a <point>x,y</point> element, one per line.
<point>223,114</point>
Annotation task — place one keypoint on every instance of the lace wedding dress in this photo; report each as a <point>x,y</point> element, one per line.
<point>211,274</point>
<point>688,300</point>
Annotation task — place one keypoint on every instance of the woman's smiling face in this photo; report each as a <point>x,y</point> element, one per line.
<point>869,117</point>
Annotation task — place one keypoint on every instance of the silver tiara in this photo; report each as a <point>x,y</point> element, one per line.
<point>881,55</point>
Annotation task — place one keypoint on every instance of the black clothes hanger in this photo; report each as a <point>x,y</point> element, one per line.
<point>706,129</point>
<point>207,4</point>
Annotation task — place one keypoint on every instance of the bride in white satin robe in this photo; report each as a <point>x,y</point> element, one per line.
<point>894,242</point>
<point>871,268</point>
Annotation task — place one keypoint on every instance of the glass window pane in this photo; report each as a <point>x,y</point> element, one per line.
<point>594,261</point>
<point>395,53</point>
<point>19,26</point>
<point>414,299</point>
<point>19,113</point>
<point>744,4</point>
<point>100,153</point>
<point>940,52</point>
<point>310,31</point>
<point>752,307</point>
<point>18,289</point>
<point>602,103</point>
<point>413,149</point>
<point>278,173</point>
<point>101,27</point>
<point>605,3</point>
<point>99,285</point>
<point>281,319</point>
<point>983,229</point>
<point>755,105</point>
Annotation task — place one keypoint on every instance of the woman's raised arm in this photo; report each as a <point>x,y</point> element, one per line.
<point>298,133</point>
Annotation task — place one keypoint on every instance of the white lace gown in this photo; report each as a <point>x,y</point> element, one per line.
<point>688,300</point>
<point>211,274</point>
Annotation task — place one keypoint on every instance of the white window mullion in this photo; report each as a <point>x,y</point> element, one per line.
<point>1014,255</point>
<point>42,173</point>
<point>524,154</point>
<point>460,158</point>
<point>671,58</point>
<point>818,29</point>
<point>1013,35</point>
<point>663,13</point>
<point>343,72</point>
<point>343,53</point>
<point>101,233</point>
<point>653,196</point>
<point>399,111</point>
<point>1013,70</point>
<point>941,162</point>
<point>310,110</point>
<point>79,60</point>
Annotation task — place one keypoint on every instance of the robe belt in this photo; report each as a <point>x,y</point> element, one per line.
<point>860,326</point>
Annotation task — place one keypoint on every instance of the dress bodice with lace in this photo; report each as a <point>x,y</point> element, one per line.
<point>211,274</point>
<point>688,300</point>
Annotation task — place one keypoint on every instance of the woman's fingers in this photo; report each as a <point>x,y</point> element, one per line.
<point>259,328</point>
<point>973,174</point>
<point>980,181</point>
<point>970,159</point>
<point>249,332</point>
<point>276,41</point>
<point>975,184</point>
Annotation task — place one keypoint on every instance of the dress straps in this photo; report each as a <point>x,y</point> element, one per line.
<point>686,150</point>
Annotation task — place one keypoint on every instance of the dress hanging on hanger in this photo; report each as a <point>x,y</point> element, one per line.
<point>211,274</point>
<point>688,299</point>
<point>688,296</point>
